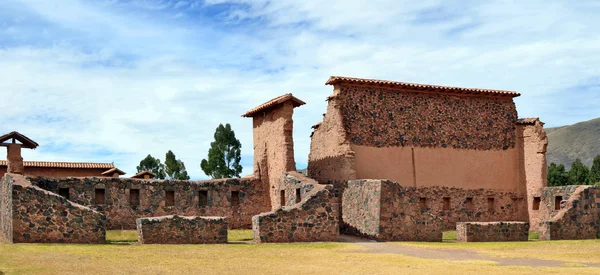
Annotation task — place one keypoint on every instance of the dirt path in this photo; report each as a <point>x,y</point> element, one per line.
<point>450,254</point>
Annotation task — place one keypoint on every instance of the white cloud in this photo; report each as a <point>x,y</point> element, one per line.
<point>114,81</point>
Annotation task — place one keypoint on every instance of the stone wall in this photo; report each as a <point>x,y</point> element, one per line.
<point>492,231</point>
<point>386,117</point>
<point>182,230</point>
<point>59,172</point>
<point>40,216</point>
<point>236,199</point>
<point>314,218</point>
<point>454,205</point>
<point>274,147</point>
<point>532,143</point>
<point>573,213</point>
<point>6,227</point>
<point>385,211</point>
<point>331,157</point>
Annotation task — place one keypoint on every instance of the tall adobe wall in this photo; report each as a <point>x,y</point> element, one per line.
<point>532,143</point>
<point>417,138</point>
<point>273,142</point>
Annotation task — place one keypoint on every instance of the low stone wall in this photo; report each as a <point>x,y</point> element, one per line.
<point>182,230</point>
<point>6,227</point>
<point>578,217</point>
<point>314,218</point>
<point>385,211</point>
<point>123,200</point>
<point>40,216</point>
<point>492,231</point>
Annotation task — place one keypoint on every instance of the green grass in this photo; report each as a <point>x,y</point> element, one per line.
<point>313,258</point>
<point>131,236</point>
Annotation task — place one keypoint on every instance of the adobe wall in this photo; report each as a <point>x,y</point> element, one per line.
<point>575,217</point>
<point>315,218</point>
<point>331,157</point>
<point>492,232</point>
<point>274,147</point>
<point>446,167</point>
<point>182,230</point>
<point>6,227</point>
<point>532,143</point>
<point>58,172</point>
<point>40,216</point>
<point>385,211</point>
<point>121,214</point>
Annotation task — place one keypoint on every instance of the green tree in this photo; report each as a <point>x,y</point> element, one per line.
<point>174,168</point>
<point>153,165</point>
<point>557,176</point>
<point>224,155</point>
<point>595,171</point>
<point>579,173</point>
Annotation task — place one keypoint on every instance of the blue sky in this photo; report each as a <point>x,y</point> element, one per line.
<point>113,81</point>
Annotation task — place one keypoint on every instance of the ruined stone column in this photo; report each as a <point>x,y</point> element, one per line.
<point>14,159</point>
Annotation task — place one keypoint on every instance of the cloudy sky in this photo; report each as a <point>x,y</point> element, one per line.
<point>113,81</point>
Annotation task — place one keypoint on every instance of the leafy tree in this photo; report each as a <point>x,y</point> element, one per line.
<point>153,165</point>
<point>579,173</point>
<point>595,171</point>
<point>174,168</point>
<point>223,155</point>
<point>557,175</point>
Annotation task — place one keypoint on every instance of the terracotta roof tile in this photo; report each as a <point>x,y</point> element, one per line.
<point>55,164</point>
<point>273,102</point>
<point>112,171</point>
<point>528,120</point>
<point>140,175</point>
<point>423,87</point>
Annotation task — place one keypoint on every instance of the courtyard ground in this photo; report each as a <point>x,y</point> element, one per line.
<point>352,257</point>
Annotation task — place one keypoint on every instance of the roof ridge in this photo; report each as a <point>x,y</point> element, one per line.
<point>273,102</point>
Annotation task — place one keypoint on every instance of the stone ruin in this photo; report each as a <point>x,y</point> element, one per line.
<point>391,161</point>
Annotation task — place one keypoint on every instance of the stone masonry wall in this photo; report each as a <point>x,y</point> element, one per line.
<point>384,117</point>
<point>492,231</point>
<point>236,199</point>
<point>6,227</point>
<point>274,147</point>
<point>454,205</point>
<point>575,217</point>
<point>385,211</point>
<point>314,218</point>
<point>182,230</point>
<point>331,157</point>
<point>532,142</point>
<point>40,216</point>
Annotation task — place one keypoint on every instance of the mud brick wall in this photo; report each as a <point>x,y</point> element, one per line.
<point>532,143</point>
<point>6,227</point>
<point>385,211</point>
<point>274,147</point>
<point>578,218</point>
<point>182,230</point>
<point>315,218</point>
<point>40,216</point>
<point>453,205</point>
<point>492,231</point>
<point>236,199</point>
<point>384,117</point>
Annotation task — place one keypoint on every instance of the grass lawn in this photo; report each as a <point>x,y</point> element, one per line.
<point>129,236</point>
<point>570,251</point>
<point>313,258</point>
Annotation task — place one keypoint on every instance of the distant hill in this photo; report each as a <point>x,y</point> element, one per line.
<point>567,143</point>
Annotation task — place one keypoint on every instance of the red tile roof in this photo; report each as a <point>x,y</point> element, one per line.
<point>56,164</point>
<point>140,175</point>
<point>528,120</point>
<point>113,170</point>
<point>421,87</point>
<point>273,102</point>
